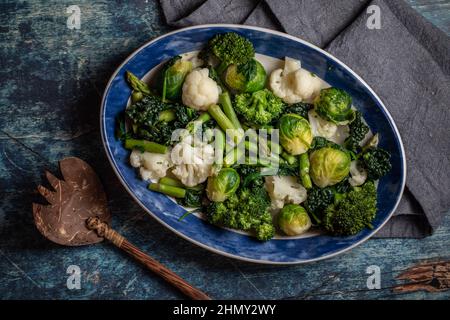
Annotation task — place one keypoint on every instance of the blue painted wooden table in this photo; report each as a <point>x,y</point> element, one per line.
<point>52,80</point>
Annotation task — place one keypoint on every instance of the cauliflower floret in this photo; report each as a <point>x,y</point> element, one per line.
<point>283,190</point>
<point>357,174</point>
<point>193,160</point>
<point>151,165</point>
<point>294,84</point>
<point>199,90</point>
<point>329,130</point>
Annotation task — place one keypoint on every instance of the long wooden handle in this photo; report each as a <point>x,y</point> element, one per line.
<point>104,231</point>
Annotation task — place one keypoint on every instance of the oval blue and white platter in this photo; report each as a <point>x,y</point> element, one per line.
<point>272,46</point>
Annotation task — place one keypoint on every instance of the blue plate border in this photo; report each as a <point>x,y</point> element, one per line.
<point>228,243</point>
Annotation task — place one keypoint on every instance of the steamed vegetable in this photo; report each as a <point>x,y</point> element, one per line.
<point>188,197</point>
<point>247,209</point>
<point>304,171</point>
<point>358,130</point>
<point>283,190</point>
<point>329,166</point>
<point>171,78</point>
<point>246,77</point>
<point>318,200</point>
<point>193,161</point>
<point>224,123</point>
<point>353,212</point>
<point>293,220</point>
<point>295,134</point>
<point>139,87</point>
<point>300,108</point>
<point>199,90</point>
<point>151,165</point>
<point>377,162</point>
<point>294,84</point>
<point>228,48</point>
<point>145,145</point>
<point>227,106</point>
<point>321,142</point>
<point>258,108</point>
<point>334,105</point>
<point>223,185</point>
<point>155,120</point>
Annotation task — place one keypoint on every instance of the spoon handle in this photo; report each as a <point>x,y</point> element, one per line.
<point>121,242</point>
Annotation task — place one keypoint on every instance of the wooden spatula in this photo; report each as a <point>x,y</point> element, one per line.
<point>77,214</point>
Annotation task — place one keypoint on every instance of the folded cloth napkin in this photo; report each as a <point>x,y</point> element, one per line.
<point>406,61</point>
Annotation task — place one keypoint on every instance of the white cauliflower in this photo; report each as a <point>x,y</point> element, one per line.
<point>329,130</point>
<point>357,174</point>
<point>151,165</point>
<point>193,161</point>
<point>294,84</point>
<point>199,90</point>
<point>283,190</point>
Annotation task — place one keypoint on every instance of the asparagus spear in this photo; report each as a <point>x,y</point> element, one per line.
<point>304,171</point>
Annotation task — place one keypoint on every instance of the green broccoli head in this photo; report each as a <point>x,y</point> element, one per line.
<point>247,209</point>
<point>353,212</point>
<point>229,48</point>
<point>377,162</point>
<point>259,108</point>
<point>265,231</point>
<point>358,130</point>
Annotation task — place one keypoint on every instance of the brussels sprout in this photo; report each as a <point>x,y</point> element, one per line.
<point>295,133</point>
<point>222,185</point>
<point>329,166</point>
<point>335,105</point>
<point>247,77</point>
<point>171,78</point>
<point>293,220</point>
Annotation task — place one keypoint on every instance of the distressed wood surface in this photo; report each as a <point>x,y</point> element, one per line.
<point>51,80</point>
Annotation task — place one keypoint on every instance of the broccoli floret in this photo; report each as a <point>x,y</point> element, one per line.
<point>265,231</point>
<point>353,212</point>
<point>377,162</point>
<point>358,130</point>
<point>301,108</point>
<point>259,108</point>
<point>319,199</point>
<point>228,48</point>
<point>247,209</point>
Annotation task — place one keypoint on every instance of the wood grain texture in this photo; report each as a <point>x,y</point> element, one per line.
<point>103,230</point>
<point>51,81</point>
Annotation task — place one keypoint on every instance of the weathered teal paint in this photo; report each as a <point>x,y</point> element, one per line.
<point>51,80</point>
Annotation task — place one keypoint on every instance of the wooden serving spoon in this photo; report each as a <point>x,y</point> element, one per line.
<point>78,214</point>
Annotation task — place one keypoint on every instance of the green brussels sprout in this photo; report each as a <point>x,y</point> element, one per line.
<point>335,105</point>
<point>222,185</point>
<point>171,77</point>
<point>293,220</point>
<point>247,77</point>
<point>295,133</point>
<point>329,166</point>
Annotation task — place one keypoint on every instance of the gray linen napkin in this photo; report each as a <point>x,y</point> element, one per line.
<point>407,62</point>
